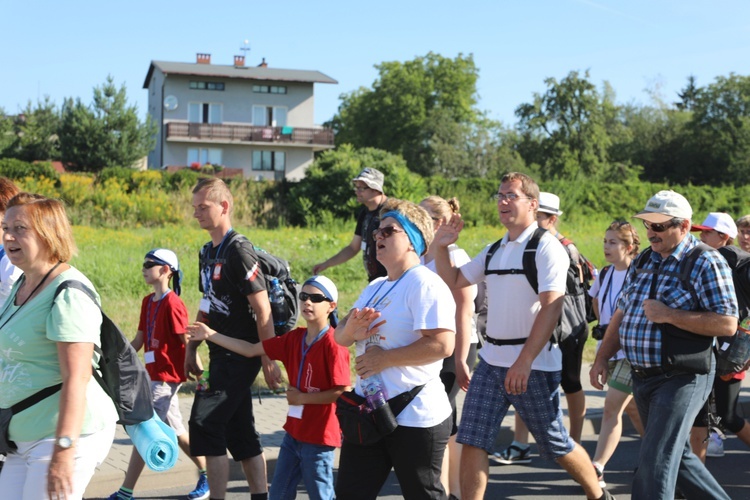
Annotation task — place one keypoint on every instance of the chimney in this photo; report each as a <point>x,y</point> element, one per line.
<point>203,58</point>
<point>263,63</point>
<point>239,61</point>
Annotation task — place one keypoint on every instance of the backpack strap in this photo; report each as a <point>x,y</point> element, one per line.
<point>80,286</point>
<point>528,261</point>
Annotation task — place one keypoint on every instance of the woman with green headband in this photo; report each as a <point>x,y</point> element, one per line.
<point>403,326</point>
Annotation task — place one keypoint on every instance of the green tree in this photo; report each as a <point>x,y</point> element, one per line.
<point>720,132</point>
<point>688,96</point>
<point>107,133</point>
<point>326,191</point>
<point>7,137</point>
<point>35,133</point>
<point>564,130</point>
<point>406,101</point>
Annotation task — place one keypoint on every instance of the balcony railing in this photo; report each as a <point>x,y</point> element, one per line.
<point>250,133</point>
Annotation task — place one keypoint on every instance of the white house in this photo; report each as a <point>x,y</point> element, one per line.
<point>259,119</point>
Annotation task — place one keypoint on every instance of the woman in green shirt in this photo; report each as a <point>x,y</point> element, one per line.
<point>48,342</point>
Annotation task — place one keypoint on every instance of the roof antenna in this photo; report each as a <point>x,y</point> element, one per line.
<point>245,49</point>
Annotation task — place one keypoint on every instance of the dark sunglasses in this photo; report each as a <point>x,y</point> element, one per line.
<point>386,232</point>
<point>660,228</point>
<point>149,264</point>
<point>315,298</point>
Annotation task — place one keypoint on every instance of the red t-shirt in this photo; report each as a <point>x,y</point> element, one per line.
<point>326,365</point>
<point>161,323</point>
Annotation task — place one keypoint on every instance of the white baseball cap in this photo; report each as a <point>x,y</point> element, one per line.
<point>718,221</point>
<point>665,206</point>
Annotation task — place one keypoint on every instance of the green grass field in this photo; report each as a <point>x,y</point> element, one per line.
<point>111,258</point>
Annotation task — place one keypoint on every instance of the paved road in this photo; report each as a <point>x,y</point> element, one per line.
<point>538,480</point>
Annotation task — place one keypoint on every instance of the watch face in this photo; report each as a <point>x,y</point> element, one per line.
<point>64,442</point>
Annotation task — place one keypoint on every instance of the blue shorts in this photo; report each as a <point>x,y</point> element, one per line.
<point>487,403</point>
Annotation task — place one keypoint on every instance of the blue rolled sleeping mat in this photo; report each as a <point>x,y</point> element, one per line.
<point>156,442</point>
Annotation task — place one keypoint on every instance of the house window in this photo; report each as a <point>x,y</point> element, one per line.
<point>269,160</point>
<point>204,112</point>
<point>202,156</point>
<point>207,85</point>
<point>269,89</point>
<point>269,116</point>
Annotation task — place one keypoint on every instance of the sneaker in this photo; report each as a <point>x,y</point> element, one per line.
<point>600,476</point>
<point>715,446</point>
<point>201,491</point>
<point>512,455</point>
<point>115,496</point>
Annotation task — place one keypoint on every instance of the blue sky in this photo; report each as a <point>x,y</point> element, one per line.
<point>64,49</point>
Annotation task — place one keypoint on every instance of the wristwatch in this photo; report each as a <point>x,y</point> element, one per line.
<point>64,442</point>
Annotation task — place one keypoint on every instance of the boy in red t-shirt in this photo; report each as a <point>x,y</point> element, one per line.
<point>162,334</point>
<point>318,371</point>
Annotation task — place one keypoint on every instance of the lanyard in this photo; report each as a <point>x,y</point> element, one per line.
<point>305,349</point>
<point>612,301</point>
<point>9,302</point>
<point>375,305</point>
<point>151,321</point>
<point>207,276</point>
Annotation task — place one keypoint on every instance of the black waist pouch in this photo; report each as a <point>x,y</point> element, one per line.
<point>363,426</point>
<point>685,351</point>
<point>6,445</point>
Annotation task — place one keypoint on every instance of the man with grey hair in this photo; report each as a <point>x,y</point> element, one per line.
<point>368,187</point>
<point>677,293</point>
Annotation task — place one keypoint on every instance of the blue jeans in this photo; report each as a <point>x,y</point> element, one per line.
<point>313,463</point>
<point>668,405</point>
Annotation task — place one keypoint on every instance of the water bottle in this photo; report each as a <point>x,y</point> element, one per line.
<point>374,390</point>
<point>373,386</point>
<point>202,384</point>
<point>278,303</point>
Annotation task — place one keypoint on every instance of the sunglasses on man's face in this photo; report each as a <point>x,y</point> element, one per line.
<point>659,228</point>
<point>385,232</point>
<point>150,263</point>
<point>315,298</point>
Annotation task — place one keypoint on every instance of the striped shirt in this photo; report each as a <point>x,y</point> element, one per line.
<point>711,278</point>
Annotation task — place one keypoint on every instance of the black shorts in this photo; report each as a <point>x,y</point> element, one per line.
<point>222,417</point>
<point>572,359</point>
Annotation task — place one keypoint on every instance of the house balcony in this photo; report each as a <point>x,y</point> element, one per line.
<point>318,138</point>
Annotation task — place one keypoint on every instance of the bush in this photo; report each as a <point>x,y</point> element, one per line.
<point>16,169</point>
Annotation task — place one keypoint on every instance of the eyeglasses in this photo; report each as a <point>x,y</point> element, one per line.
<point>315,298</point>
<point>510,197</point>
<point>660,228</point>
<point>361,188</point>
<point>150,263</point>
<point>386,232</point>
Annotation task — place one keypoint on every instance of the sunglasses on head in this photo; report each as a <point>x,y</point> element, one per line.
<point>660,228</point>
<point>386,232</point>
<point>315,298</point>
<point>150,263</point>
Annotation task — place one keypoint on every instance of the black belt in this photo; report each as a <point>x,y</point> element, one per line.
<point>502,342</point>
<point>643,373</point>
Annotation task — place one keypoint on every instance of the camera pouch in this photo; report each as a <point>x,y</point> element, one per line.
<point>364,426</point>
<point>685,351</point>
<point>6,445</point>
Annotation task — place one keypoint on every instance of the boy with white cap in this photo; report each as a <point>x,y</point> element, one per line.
<point>718,231</point>
<point>318,372</point>
<point>162,334</point>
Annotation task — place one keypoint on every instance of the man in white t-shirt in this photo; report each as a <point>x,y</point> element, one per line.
<point>519,365</point>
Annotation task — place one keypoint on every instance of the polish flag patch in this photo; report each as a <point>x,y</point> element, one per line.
<point>253,272</point>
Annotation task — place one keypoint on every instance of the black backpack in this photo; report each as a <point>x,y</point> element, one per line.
<point>272,267</point>
<point>589,273</point>
<point>731,355</point>
<point>123,378</point>
<point>572,322</point>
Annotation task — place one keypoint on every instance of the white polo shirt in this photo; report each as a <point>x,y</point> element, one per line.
<point>512,305</point>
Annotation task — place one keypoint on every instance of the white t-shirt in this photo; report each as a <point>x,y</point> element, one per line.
<point>607,296</point>
<point>9,274</point>
<point>459,257</point>
<point>419,301</point>
<point>512,303</point>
